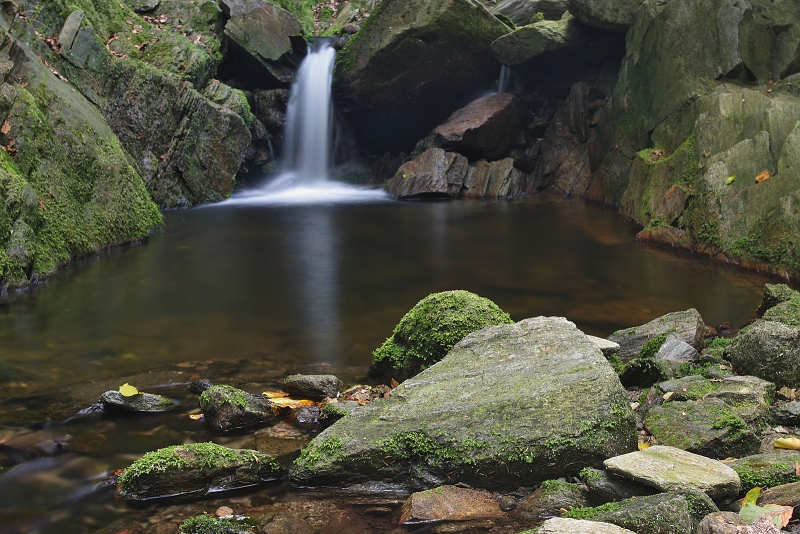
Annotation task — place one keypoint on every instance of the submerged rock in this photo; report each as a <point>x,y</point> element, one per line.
<point>143,402</point>
<point>449,503</point>
<point>671,469</point>
<point>412,64</point>
<point>314,387</point>
<point>195,470</point>
<point>492,414</point>
<point>227,408</point>
<point>686,325</point>
<point>430,329</point>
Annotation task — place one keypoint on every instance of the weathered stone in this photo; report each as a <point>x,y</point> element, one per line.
<point>606,487</point>
<point>306,417</point>
<point>494,394</point>
<point>708,426</point>
<point>676,350</point>
<point>529,43</point>
<point>787,313</point>
<point>449,503</point>
<point>722,523</point>
<point>314,387</point>
<point>768,444</point>
<point>783,495</point>
<point>768,350</point>
<point>143,402</point>
<point>433,174</point>
<point>785,413</point>
<point>686,325</point>
<point>549,499</point>
<point>524,12</point>
<point>644,372</point>
<point>562,525</point>
<point>611,15</point>
<point>485,128</point>
<point>267,33</point>
<point>606,347</point>
<point>690,387</point>
<point>143,6</point>
<point>227,408</point>
<point>671,469</point>
<point>766,470</point>
<point>498,179</point>
<point>430,329</point>
<point>665,513</point>
<point>412,64</point>
<point>195,470</point>
<point>740,390</point>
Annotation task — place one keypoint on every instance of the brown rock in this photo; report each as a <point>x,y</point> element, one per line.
<point>434,174</point>
<point>497,179</point>
<point>784,495</point>
<point>722,523</point>
<point>449,503</point>
<point>485,128</point>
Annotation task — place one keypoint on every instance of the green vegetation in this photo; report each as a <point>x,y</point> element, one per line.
<point>431,328</point>
<point>590,512</point>
<point>205,524</point>
<point>225,395</point>
<point>589,474</point>
<point>318,450</point>
<point>757,472</point>
<point>650,347</point>
<point>616,363</point>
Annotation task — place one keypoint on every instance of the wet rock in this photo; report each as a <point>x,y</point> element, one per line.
<point>549,499</point>
<point>361,394</point>
<point>611,15</point>
<point>267,33</point>
<point>665,513</point>
<point>709,426</point>
<point>606,487</point>
<point>524,45</point>
<point>195,470</point>
<point>307,417</point>
<point>774,294</point>
<point>121,526</point>
<point>494,395</point>
<point>722,523</point>
<point>433,174</point>
<point>563,525</point>
<point>783,495</point>
<point>742,390</point>
<point>227,408</point>
<point>671,469</point>
<point>768,350</point>
<point>280,440</point>
<point>676,350</point>
<point>199,385</point>
<point>484,128</point>
<point>449,503</point>
<point>523,12</point>
<point>411,65</point>
<point>143,402</point>
<point>785,413</point>
<point>313,387</point>
<point>686,325</point>
<point>606,347</point>
<point>766,470</point>
<point>496,179</point>
<point>430,329</point>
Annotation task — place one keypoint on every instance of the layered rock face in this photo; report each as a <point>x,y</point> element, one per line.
<point>411,65</point>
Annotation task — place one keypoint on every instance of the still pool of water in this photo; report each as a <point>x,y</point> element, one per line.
<point>246,293</point>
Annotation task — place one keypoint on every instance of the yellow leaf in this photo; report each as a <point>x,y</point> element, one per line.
<point>395,383</point>
<point>128,390</point>
<point>752,496</point>
<point>787,443</point>
<point>643,446</point>
<point>730,180</point>
<point>274,394</point>
<point>763,176</point>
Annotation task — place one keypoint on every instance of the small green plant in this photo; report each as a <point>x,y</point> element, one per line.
<point>651,346</point>
<point>205,524</point>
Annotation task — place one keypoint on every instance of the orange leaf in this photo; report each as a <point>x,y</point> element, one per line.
<point>274,394</point>
<point>763,176</point>
<point>395,383</point>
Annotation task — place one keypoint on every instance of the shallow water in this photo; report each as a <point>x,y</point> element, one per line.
<point>254,289</point>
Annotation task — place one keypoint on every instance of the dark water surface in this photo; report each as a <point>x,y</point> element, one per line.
<point>251,293</point>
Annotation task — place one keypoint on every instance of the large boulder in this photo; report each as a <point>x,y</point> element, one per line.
<point>268,34</point>
<point>433,174</point>
<point>508,405</point>
<point>195,470</point>
<point>412,64</point>
<point>664,513</point>
<point>611,15</point>
<point>531,42</point>
<point>431,328</point>
<point>486,128</point>
<point>496,179</point>
<point>768,350</point>
<point>685,325</point>
<point>524,12</point>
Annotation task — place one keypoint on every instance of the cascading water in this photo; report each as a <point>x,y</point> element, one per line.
<point>504,83</point>
<point>307,141</point>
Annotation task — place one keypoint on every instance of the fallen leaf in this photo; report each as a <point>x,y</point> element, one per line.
<point>668,395</point>
<point>752,496</point>
<point>787,443</point>
<point>128,390</point>
<point>274,394</point>
<point>6,127</point>
<point>750,512</point>
<point>763,176</point>
<point>196,416</point>
<point>730,179</point>
<point>643,445</point>
<point>395,383</point>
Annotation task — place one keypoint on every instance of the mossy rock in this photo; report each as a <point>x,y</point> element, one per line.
<point>774,294</point>
<point>206,524</point>
<point>787,312</point>
<point>430,329</point>
<point>766,470</point>
<point>769,350</point>
<point>550,498</point>
<point>227,408</point>
<point>665,513</point>
<point>194,470</point>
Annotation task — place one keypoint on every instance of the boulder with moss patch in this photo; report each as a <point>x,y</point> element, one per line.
<point>767,470</point>
<point>646,340</point>
<point>492,414</point>
<point>227,408</point>
<point>430,329</point>
<point>774,294</point>
<point>195,470</point>
<point>768,350</point>
<point>550,498</point>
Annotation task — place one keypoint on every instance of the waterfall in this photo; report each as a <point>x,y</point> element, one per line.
<point>504,83</point>
<point>309,117</point>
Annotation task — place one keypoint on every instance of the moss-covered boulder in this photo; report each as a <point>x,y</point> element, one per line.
<point>768,350</point>
<point>226,408</point>
<point>430,329</point>
<point>665,513</point>
<point>644,341</point>
<point>774,294</point>
<point>194,470</point>
<point>550,498</point>
<point>606,487</point>
<point>611,15</point>
<point>412,64</point>
<point>509,404</point>
<point>530,42</point>
<point>767,470</point>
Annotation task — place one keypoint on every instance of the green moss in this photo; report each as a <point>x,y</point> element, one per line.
<point>589,474</point>
<point>651,346</point>
<point>718,342</point>
<point>204,524</point>
<point>203,455</point>
<point>432,327</point>
<point>754,473</point>
<point>228,395</point>
<point>505,20</point>
<point>556,485</point>
<point>616,363</point>
<point>302,10</point>
<point>332,411</point>
<point>590,512</point>
<point>317,450</point>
